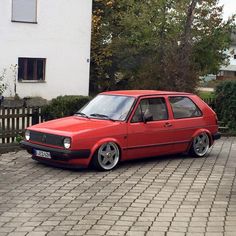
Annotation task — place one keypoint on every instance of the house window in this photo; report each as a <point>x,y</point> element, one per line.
<point>235,56</point>
<point>24,11</point>
<point>31,69</point>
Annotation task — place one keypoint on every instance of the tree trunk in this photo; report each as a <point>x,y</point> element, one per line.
<point>186,79</point>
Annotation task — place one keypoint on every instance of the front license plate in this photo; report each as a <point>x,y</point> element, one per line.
<point>43,154</point>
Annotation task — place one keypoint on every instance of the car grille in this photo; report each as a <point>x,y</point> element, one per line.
<point>50,139</point>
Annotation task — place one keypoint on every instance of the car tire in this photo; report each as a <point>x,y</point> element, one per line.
<point>200,145</point>
<point>106,157</point>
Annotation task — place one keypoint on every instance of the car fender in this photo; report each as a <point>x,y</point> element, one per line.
<point>101,142</point>
<point>196,133</point>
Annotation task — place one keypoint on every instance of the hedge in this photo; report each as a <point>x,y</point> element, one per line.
<point>63,106</point>
<point>226,104</point>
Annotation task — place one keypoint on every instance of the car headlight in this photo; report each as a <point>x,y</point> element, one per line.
<point>27,135</point>
<point>67,143</point>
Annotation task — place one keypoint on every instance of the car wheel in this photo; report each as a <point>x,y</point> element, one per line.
<point>107,156</point>
<point>200,145</point>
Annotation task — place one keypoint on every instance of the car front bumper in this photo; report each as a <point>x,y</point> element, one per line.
<point>60,157</point>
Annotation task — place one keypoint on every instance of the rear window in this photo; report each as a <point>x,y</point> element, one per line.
<point>184,107</point>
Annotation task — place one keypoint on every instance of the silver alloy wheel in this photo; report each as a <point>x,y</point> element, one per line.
<point>201,144</point>
<point>108,155</point>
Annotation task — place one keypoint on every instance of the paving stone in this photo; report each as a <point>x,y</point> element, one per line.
<point>37,233</point>
<point>57,233</point>
<point>115,233</point>
<point>95,232</point>
<point>159,228</point>
<point>215,234</point>
<point>195,234</point>
<point>196,229</point>
<point>44,228</point>
<point>51,223</point>
<point>215,229</point>
<point>174,234</point>
<point>155,234</point>
<point>123,223</point>
<point>18,234</point>
<point>136,233</point>
<point>32,223</point>
<point>6,229</point>
<point>143,223</point>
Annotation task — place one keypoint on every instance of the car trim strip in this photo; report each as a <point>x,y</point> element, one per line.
<point>155,145</point>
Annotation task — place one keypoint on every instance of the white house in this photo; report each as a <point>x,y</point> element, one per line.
<point>229,71</point>
<point>45,47</point>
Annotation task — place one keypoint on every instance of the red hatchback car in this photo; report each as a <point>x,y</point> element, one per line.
<point>123,125</point>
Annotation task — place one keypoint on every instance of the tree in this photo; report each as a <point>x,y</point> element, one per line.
<point>102,72</point>
<point>159,44</point>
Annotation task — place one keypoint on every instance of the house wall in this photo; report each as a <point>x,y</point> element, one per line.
<point>229,72</point>
<point>232,54</point>
<point>62,35</point>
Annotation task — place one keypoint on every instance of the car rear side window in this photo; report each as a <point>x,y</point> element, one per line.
<point>155,107</point>
<point>184,107</point>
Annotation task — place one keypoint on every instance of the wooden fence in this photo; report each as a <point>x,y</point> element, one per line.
<point>14,121</point>
<point>211,102</point>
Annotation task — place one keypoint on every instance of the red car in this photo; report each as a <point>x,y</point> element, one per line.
<point>122,125</point>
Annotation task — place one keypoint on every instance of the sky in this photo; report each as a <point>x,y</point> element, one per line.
<point>229,7</point>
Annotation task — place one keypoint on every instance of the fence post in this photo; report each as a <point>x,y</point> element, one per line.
<point>35,116</point>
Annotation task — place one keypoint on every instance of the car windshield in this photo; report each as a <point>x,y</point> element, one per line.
<point>112,107</point>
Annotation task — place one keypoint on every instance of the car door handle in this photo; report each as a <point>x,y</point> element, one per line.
<point>167,124</point>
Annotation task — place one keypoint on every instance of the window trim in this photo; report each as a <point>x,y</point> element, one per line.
<point>35,72</point>
<point>187,116</point>
<point>27,22</point>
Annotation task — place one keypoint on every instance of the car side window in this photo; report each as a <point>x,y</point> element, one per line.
<point>184,107</point>
<point>154,107</point>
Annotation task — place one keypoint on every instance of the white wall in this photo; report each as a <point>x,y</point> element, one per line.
<point>62,36</point>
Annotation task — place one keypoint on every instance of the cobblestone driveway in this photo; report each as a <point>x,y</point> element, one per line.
<point>161,196</point>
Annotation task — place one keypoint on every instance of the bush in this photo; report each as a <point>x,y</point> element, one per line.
<point>64,106</point>
<point>226,104</point>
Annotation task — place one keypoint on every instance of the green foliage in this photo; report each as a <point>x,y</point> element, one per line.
<point>3,85</point>
<point>226,104</point>
<point>156,44</point>
<point>18,138</point>
<point>64,106</point>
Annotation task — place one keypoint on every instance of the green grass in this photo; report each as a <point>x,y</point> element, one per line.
<point>206,94</point>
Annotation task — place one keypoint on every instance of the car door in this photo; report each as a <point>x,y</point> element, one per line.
<point>149,129</point>
<point>187,119</point>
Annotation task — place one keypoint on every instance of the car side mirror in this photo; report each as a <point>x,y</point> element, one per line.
<point>147,117</point>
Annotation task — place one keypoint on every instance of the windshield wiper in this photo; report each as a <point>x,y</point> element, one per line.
<point>101,116</point>
<point>81,114</point>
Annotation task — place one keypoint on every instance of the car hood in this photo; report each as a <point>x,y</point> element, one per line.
<point>73,124</point>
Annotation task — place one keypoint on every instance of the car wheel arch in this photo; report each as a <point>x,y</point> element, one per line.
<point>198,132</point>
<point>98,144</point>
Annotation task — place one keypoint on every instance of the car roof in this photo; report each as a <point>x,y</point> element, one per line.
<point>139,93</point>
